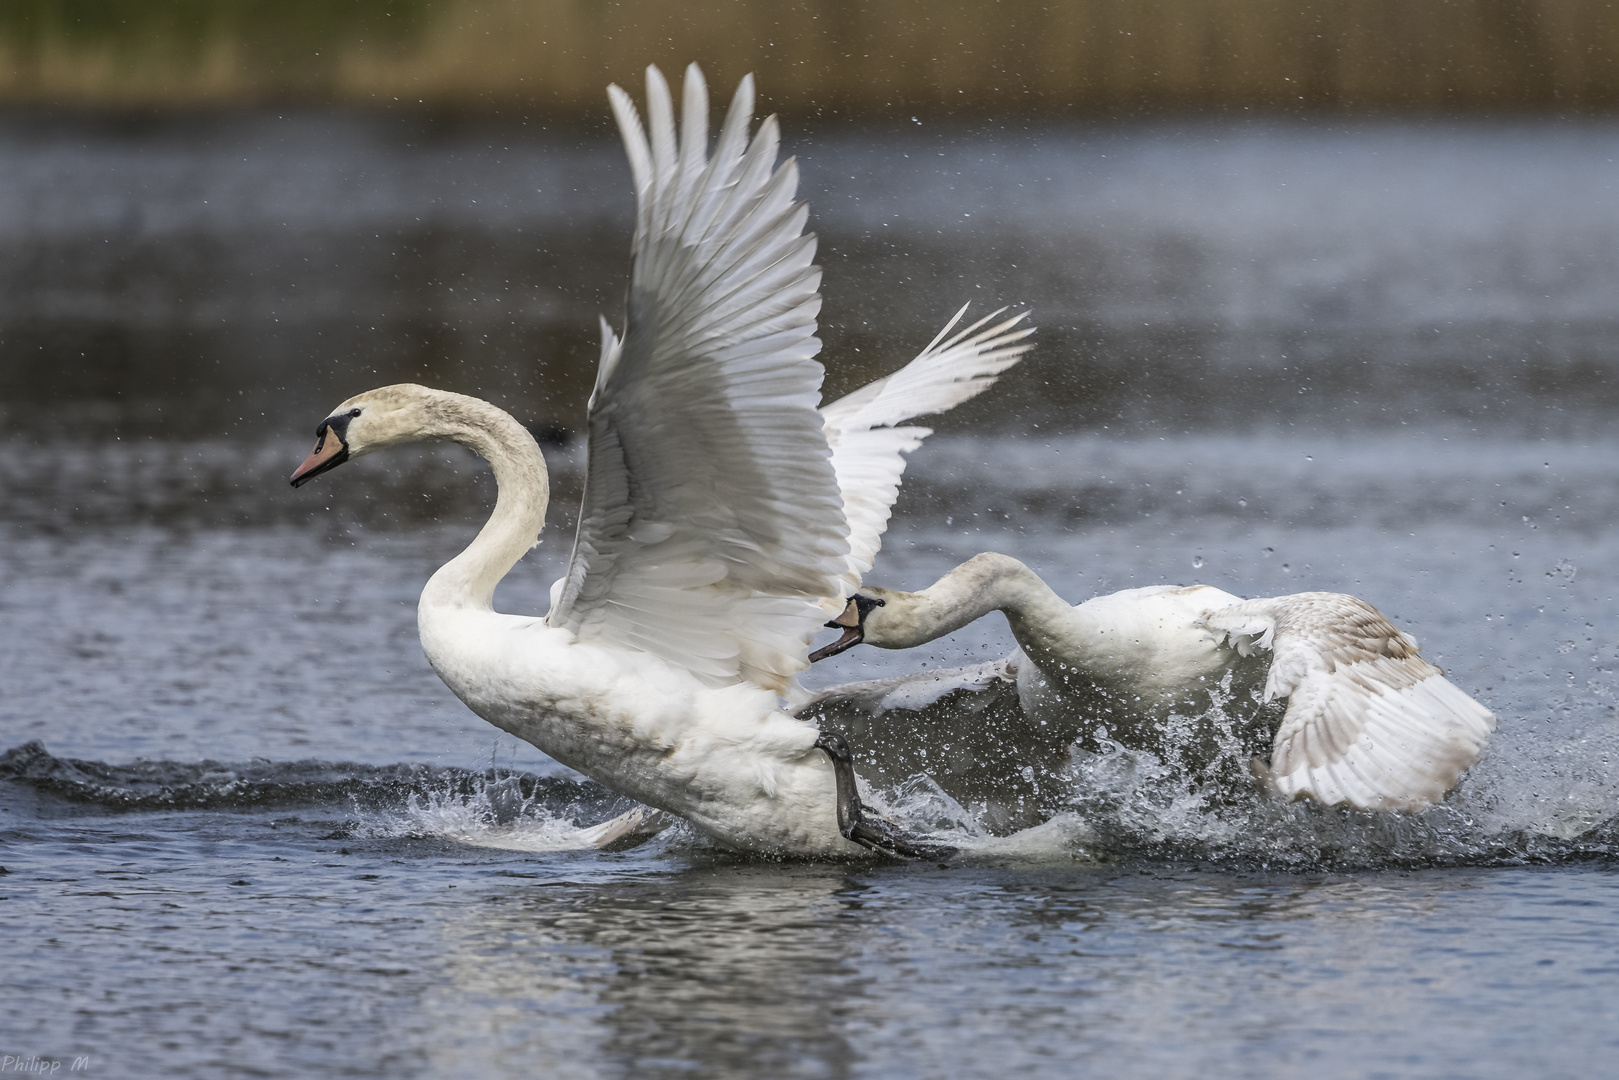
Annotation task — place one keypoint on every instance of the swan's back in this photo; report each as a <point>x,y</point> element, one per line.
<point>1151,637</point>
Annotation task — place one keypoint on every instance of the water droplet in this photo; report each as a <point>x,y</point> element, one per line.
<point>1197,562</point>
<point>1267,552</point>
<point>1242,503</point>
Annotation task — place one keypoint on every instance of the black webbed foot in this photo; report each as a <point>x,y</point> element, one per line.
<point>869,832</point>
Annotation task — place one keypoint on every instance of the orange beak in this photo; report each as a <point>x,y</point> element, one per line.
<point>330,452</point>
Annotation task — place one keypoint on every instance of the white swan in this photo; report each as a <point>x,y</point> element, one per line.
<point>724,516</point>
<point>1368,722</point>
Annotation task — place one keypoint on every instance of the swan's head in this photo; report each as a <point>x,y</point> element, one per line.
<point>379,418</point>
<point>853,624</point>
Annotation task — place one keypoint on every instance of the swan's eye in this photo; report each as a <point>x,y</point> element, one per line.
<point>354,412</point>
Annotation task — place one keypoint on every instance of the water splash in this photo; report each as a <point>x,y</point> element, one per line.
<point>503,811</point>
<point>1531,799</point>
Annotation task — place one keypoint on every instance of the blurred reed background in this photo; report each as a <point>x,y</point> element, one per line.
<point>217,215</point>
<point>855,55</point>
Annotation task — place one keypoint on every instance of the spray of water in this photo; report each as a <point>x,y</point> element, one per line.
<point>1535,797</point>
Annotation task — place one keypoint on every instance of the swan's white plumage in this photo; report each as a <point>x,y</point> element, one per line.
<point>1369,722</point>
<point>712,522</point>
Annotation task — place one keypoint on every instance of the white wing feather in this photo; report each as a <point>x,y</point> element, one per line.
<point>712,522</point>
<point>1368,722</point>
<point>868,451</point>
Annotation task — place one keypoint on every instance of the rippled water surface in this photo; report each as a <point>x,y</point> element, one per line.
<point>245,830</point>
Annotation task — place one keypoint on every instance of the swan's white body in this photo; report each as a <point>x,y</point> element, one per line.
<point>725,515</point>
<point>1368,723</point>
<point>727,759</point>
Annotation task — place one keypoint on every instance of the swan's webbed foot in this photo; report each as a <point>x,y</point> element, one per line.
<point>869,832</point>
<point>853,624</point>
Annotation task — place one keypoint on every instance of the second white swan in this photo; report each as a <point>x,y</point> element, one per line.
<point>1368,723</point>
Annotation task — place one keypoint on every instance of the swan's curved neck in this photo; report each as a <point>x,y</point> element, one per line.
<point>984,583</point>
<point>524,490</point>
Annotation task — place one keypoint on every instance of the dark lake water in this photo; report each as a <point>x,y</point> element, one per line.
<point>247,832</point>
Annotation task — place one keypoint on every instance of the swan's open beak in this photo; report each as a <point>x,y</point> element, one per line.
<point>331,450</point>
<point>853,624</point>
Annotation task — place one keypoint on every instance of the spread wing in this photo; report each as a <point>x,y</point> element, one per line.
<point>868,451</point>
<point>711,522</point>
<point>1368,722</point>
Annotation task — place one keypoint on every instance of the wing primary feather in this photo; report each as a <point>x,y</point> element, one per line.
<point>954,319</point>
<point>660,118</point>
<point>636,149</point>
<point>968,331</point>
<point>693,143</point>
<point>720,175</point>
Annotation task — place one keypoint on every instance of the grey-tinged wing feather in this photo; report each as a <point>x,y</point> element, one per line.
<point>1369,722</point>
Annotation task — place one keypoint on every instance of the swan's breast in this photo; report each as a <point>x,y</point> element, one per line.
<point>584,704</point>
<point>726,758</point>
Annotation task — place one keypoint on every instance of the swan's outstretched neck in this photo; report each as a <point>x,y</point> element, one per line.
<point>469,579</point>
<point>984,583</point>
